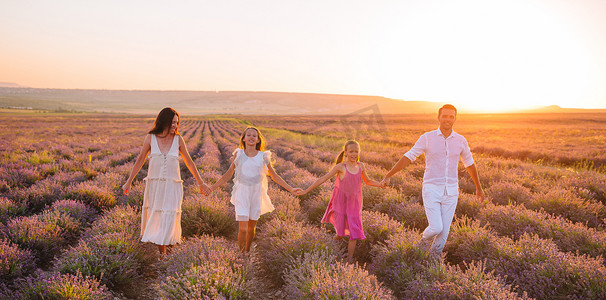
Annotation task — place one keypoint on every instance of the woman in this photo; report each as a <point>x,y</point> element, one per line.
<point>161,211</point>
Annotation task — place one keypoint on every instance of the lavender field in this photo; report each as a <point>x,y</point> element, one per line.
<point>67,231</point>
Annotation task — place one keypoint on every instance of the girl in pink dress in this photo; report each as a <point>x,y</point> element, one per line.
<point>345,206</point>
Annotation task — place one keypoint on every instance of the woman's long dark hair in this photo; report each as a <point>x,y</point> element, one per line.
<point>164,120</point>
<point>340,157</point>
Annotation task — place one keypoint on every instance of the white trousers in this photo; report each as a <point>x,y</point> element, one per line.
<point>439,209</point>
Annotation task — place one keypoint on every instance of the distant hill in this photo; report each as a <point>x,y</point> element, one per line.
<point>9,85</point>
<point>557,109</point>
<point>206,102</point>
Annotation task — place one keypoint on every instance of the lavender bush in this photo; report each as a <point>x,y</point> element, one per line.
<point>471,282</point>
<point>205,268</point>
<point>40,194</point>
<point>122,219</point>
<point>115,259</point>
<point>318,275</point>
<point>287,206</point>
<point>14,262</point>
<point>410,213</point>
<point>514,221</point>
<point>315,207</point>
<point>45,234</point>
<point>55,286</point>
<point>4,187</point>
<point>9,209</point>
<point>505,193</point>
<point>92,194</point>
<point>207,215</point>
<point>469,206</point>
<point>534,264</point>
<point>564,207</point>
<point>399,262</point>
<point>378,228</point>
<point>70,226</point>
<point>281,241</point>
<point>589,185</point>
<point>75,209</point>
<point>561,202</point>
<point>19,176</point>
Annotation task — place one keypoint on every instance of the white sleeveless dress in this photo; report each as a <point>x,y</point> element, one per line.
<point>249,193</point>
<point>161,212</point>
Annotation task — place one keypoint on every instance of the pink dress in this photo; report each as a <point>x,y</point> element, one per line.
<point>345,206</point>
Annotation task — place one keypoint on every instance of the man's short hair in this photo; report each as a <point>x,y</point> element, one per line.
<point>447,106</point>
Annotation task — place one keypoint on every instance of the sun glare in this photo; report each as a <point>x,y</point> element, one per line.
<point>483,56</point>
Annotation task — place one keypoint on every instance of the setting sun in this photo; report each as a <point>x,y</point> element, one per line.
<point>485,56</point>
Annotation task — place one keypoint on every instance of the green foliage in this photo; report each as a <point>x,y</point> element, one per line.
<point>282,241</point>
<point>207,215</point>
<point>205,267</point>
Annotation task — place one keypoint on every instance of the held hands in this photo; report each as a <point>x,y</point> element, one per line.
<point>301,192</point>
<point>385,182</point>
<point>204,189</point>
<point>297,191</point>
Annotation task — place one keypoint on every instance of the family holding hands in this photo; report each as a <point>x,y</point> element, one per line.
<point>251,165</point>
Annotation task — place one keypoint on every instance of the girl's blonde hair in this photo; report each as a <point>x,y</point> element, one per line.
<point>340,157</point>
<point>260,145</point>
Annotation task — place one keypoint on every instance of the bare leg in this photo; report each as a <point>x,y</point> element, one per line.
<point>351,247</point>
<point>242,232</point>
<point>252,226</point>
<point>162,249</point>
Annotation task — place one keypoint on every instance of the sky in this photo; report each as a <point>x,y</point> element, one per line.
<point>479,55</point>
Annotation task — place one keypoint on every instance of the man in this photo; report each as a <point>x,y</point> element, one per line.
<point>443,148</point>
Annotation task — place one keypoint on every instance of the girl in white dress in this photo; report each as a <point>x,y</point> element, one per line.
<point>251,164</point>
<point>161,211</point>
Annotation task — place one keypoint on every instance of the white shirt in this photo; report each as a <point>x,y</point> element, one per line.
<point>441,159</point>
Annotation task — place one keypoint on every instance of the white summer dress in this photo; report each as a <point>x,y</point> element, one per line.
<point>249,193</point>
<point>161,212</point>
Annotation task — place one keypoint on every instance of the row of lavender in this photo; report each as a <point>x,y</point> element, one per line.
<point>302,259</point>
<point>58,175</point>
<point>303,254</point>
<point>60,237</point>
<point>513,225</point>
